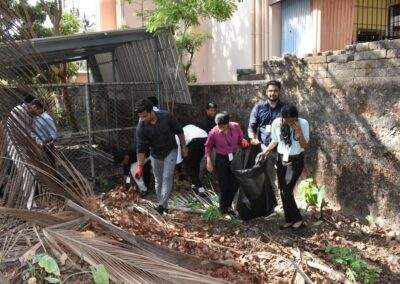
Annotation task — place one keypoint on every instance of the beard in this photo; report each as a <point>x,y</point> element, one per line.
<point>273,99</point>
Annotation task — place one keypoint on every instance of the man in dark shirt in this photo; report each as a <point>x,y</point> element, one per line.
<point>156,131</point>
<point>127,159</point>
<point>208,122</point>
<point>261,118</point>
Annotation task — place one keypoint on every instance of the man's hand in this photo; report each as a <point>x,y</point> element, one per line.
<point>210,166</point>
<point>184,151</point>
<point>266,152</point>
<point>254,141</point>
<point>139,171</point>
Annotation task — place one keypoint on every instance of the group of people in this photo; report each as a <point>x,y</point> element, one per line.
<point>273,124</point>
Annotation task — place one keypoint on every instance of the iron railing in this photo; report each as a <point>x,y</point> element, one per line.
<point>376,20</point>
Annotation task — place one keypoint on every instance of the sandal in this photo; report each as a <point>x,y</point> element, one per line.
<point>302,224</point>
<point>285,226</point>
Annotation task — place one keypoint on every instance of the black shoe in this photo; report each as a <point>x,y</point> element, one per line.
<point>231,212</point>
<point>160,209</point>
<point>166,211</point>
<point>143,193</point>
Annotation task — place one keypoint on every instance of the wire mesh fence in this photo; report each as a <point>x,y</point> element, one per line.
<point>93,121</point>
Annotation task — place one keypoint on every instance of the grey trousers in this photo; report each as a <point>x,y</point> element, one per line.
<point>163,171</point>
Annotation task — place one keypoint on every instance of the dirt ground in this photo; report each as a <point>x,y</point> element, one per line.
<point>257,251</point>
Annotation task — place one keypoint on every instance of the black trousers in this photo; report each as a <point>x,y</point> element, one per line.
<point>292,213</point>
<point>228,184</point>
<point>191,164</point>
<point>50,150</point>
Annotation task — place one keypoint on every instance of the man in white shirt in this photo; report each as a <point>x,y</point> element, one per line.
<point>45,131</point>
<point>195,138</point>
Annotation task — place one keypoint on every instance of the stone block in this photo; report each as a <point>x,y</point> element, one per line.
<point>370,64</point>
<point>392,62</point>
<point>373,72</point>
<point>393,53</point>
<point>327,53</point>
<point>342,73</point>
<point>340,58</point>
<point>393,44</point>
<point>364,46</point>
<point>393,72</point>
<point>316,59</point>
<point>245,71</point>
<point>318,66</point>
<point>341,66</point>
<point>350,48</point>
<point>319,74</point>
<point>374,45</point>
<point>368,55</point>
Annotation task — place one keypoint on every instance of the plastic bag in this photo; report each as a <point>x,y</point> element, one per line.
<point>256,196</point>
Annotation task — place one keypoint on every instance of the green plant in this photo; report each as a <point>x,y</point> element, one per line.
<point>44,267</point>
<point>211,214</point>
<point>312,193</point>
<point>356,268</point>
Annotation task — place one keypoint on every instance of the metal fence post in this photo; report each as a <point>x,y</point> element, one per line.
<point>89,128</point>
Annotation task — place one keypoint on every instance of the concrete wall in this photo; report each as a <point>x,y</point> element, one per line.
<point>352,100</point>
<point>230,48</point>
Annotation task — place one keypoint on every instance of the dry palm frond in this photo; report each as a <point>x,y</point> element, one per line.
<point>24,171</point>
<point>129,266</point>
<point>39,218</point>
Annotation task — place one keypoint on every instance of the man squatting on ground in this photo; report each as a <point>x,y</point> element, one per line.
<point>226,138</point>
<point>156,131</point>
<point>127,159</point>
<point>195,138</point>
<point>261,118</point>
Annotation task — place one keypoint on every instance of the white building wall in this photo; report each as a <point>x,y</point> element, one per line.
<point>229,50</point>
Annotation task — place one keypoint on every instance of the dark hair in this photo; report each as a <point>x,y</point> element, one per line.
<point>153,100</point>
<point>143,105</point>
<point>211,105</point>
<point>274,83</point>
<point>37,104</point>
<point>28,98</point>
<point>222,118</point>
<point>288,111</point>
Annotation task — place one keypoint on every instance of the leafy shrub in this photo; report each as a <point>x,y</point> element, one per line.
<point>356,268</point>
<point>211,214</point>
<point>312,193</point>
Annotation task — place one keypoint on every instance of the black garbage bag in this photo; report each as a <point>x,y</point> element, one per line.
<point>256,196</point>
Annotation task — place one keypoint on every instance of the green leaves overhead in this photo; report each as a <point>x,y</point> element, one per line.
<point>172,13</point>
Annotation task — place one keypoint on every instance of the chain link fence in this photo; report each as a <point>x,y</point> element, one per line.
<point>93,121</point>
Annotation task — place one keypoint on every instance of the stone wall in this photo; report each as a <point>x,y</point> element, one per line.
<point>352,100</point>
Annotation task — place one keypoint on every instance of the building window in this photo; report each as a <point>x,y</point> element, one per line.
<point>376,20</point>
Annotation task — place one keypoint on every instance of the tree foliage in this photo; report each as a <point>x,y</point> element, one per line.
<point>182,16</point>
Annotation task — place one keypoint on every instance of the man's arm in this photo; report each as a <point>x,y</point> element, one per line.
<point>253,126</point>
<point>302,135</point>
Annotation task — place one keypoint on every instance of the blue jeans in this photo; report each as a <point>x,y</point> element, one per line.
<point>163,171</point>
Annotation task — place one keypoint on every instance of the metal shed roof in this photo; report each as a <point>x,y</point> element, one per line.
<point>135,56</point>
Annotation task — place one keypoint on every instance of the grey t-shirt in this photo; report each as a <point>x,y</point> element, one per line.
<point>159,137</point>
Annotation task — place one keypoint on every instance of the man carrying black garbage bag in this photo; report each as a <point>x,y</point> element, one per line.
<point>256,194</point>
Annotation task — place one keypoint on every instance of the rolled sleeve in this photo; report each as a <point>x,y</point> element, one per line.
<point>253,121</point>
